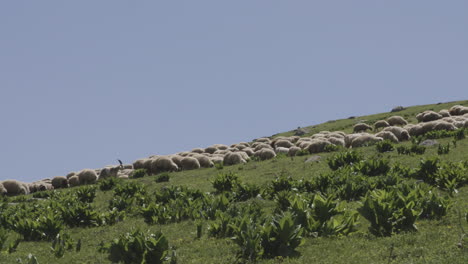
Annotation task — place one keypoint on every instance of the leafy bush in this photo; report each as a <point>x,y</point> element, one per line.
<point>137,247</point>
<point>79,214</point>
<point>372,167</point>
<point>130,189</point>
<point>303,152</point>
<point>416,149</point>
<point>219,165</point>
<point>243,192</point>
<point>163,177</point>
<point>443,149</point>
<point>331,148</point>
<point>113,216</point>
<point>389,212</point>
<point>109,183</point>
<point>343,159</point>
<point>140,173</point>
<point>225,182</point>
<point>384,146</point>
<point>459,134</point>
<point>61,243</point>
<point>248,237</point>
<point>281,236</point>
<point>86,194</point>
<point>281,183</point>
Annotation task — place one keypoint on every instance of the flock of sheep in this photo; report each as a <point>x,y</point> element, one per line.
<point>395,129</point>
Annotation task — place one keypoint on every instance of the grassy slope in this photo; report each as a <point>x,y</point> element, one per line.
<point>434,243</point>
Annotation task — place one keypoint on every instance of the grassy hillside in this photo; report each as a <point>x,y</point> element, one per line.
<point>436,238</point>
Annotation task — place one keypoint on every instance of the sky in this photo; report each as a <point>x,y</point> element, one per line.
<point>83,83</point>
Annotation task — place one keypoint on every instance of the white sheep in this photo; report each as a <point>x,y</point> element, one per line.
<point>87,176</point>
<point>265,153</point>
<point>365,140</point>
<point>109,172</point>
<point>359,127</point>
<point>60,182</point>
<point>233,158</point>
<point>401,133</point>
<point>282,150</point>
<point>388,136</point>
<point>317,146</point>
<point>190,163</point>
<point>162,164</point>
<point>204,161</point>
<point>14,187</point>
<point>396,121</point>
<point>293,151</point>
<point>74,181</point>
<point>283,143</point>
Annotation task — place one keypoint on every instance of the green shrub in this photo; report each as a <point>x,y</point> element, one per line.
<point>459,134</point>
<point>331,148</point>
<point>86,194</point>
<point>163,177</point>
<point>139,173</point>
<point>343,159</point>
<point>303,152</point>
<point>61,243</point>
<point>414,149</point>
<point>130,189</point>
<point>443,149</point>
<point>113,216</point>
<point>3,238</point>
<point>225,182</point>
<point>219,165</point>
<point>384,146</point>
<point>281,236</point>
<point>109,183</point>
<point>79,214</point>
<point>137,247</point>
<point>389,212</point>
<point>249,239</point>
<point>372,167</point>
<point>243,192</point>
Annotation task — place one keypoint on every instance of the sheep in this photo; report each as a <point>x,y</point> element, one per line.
<point>244,155</point>
<point>108,172</point>
<point>361,127</point>
<point>127,167</point>
<point>397,109</point>
<point>337,141</point>
<point>221,151</point>
<point>282,150</point>
<point>441,125</point>
<point>283,143</point>
<point>210,149</point>
<point>249,151</point>
<point>458,110</point>
<point>3,191</point>
<point>204,161</point>
<point>87,176</point>
<point>459,124</point>
<point>232,158</point>
<point>293,151</point>
<point>427,116</point>
<point>139,164</point>
<point>380,124</point>
<point>294,139</point>
<point>401,133</point>
<point>265,153</point>
<point>444,113</point>
<point>197,150</point>
<point>163,164</point>
<point>262,146</point>
<point>414,130</point>
<point>60,182</point>
<point>397,121</point>
<point>126,172</point>
<point>217,160</point>
<point>365,140</point>
<point>14,187</point>
<point>263,140</point>
<point>336,134</point>
<point>318,146</point>
<point>177,159</point>
<point>70,174</point>
<point>190,163</point>
<point>74,181</point>
<point>350,137</point>
<point>388,136</point>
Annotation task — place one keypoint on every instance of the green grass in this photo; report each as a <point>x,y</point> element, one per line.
<point>436,241</point>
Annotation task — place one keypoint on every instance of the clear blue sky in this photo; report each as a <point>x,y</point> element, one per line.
<point>83,83</point>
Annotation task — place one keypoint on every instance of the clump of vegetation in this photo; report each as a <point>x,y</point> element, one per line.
<point>108,184</point>
<point>344,159</point>
<point>441,150</point>
<point>137,247</point>
<point>384,146</point>
<point>163,177</point>
<point>414,149</point>
<point>225,182</point>
<point>140,173</point>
